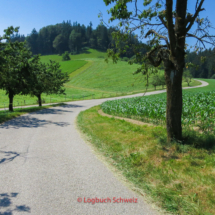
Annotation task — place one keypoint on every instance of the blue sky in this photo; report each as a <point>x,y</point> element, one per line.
<point>29,14</point>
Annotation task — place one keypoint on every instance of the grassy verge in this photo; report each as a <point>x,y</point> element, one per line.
<point>180,178</point>
<point>7,115</point>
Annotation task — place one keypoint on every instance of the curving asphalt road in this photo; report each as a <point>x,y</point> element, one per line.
<point>45,166</point>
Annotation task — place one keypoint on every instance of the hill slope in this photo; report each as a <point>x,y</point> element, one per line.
<point>91,77</point>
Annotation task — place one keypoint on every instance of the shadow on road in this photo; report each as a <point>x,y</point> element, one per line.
<point>6,157</point>
<point>57,111</point>
<point>50,111</point>
<point>71,106</point>
<point>29,122</point>
<point>7,207</point>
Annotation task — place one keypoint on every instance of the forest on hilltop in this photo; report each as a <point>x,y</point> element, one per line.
<point>65,36</point>
<point>204,68</point>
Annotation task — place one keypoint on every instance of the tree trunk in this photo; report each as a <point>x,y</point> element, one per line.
<point>174,104</point>
<point>39,100</point>
<point>11,100</point>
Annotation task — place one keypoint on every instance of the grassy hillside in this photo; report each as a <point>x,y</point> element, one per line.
<point>91,77</point>
<point>71,66</point>
<point>113,78</point>
<point>90,53</point>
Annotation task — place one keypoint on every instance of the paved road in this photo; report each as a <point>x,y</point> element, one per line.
<point>45,166</point>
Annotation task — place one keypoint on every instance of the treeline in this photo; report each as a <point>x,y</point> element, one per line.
<point>56,39</point>
<point>204,63</point>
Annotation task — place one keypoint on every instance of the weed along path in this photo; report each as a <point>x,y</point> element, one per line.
<point>47,168</point>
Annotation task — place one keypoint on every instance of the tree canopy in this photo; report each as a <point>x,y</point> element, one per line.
<point>14,67</point>
<point>46,78</point>
<point>166,29</point>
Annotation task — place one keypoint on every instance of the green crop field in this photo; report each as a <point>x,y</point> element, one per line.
<point>198,109</point>
<point>90,77</point>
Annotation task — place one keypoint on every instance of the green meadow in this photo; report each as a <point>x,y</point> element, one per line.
<point>90,77</point>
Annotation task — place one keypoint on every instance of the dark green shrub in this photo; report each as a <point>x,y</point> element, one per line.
<point>65,56</point>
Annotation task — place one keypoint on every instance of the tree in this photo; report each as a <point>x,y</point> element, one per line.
<point>75,41</point>
<point>162,80</point>
<point>89,31</point>
<point>92,42</point>
<point>32,41</point>
<point>46,78</point>
<point>187,77</point>
<point>14,67</point>
<point>102,37</point>
<point>59,43</point>
<point>66,56</point>
<point>155,81</point>
<point>46,37</point>
<point>167,30</point>
<point>147,70</point>
<point>17,37</point>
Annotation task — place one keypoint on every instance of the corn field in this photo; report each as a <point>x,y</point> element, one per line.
<point>198,110</point>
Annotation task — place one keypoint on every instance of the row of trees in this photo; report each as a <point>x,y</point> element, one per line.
<point>23,74</point>
<point>159,79</point>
